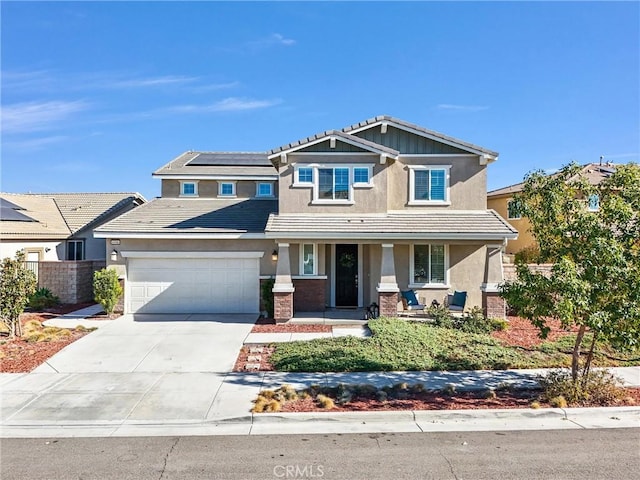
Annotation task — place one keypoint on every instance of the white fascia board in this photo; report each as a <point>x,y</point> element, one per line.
<point>182,236</point>
<point>339,138</point>
<point>184,176</point>
<point>420,133</point>
<point>176,254</point>
<point>387,236</point>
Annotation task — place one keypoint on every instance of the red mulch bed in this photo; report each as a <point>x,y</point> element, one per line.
<point>20,356</point>
<point>268,325</point>
<point>243,359</point>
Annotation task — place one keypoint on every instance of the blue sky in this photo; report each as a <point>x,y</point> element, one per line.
<point>96,96</point>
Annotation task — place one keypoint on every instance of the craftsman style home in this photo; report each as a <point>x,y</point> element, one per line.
<point>340,219</point>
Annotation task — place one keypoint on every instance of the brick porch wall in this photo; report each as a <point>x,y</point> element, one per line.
<point>282,306</point>
<point>310,295</point>
<point>493,305</point>
<point>71,281</point>
<point>388,303</point>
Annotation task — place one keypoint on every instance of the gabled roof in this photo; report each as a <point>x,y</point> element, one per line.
<point>593,172</point>
<point>47,223</point>
<point>441,225</point>
<point>411,127</point>
<point>225,164</point>
<point>339,135</point>
<point>208,218</point>
<point>82,210</point>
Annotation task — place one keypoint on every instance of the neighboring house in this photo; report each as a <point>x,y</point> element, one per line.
<point>340,219</point>
<point>501,200</point>
<point>59,226</point>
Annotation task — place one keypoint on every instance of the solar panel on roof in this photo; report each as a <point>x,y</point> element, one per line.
<point>230,159</point>
<point>4,203</point>
<point>12,215</point>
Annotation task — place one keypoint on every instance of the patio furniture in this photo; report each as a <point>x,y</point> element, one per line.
<point>410,304</point>
<point>456,301</point>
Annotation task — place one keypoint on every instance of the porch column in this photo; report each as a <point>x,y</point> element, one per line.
<point>493,304</point>
<point>283,286</point>
<point>388,286</point>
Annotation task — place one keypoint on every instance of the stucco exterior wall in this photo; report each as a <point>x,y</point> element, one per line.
<point>525,238</point>
<point>210,188</point>
<point>8,248</point>
<point>366,200</point>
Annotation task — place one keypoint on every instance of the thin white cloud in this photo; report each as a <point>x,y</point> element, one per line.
<point>273,40</point>
<point>38,116</point>
<point>230,104</point>
<point>34,143</point>
<point>212,87</point>
<point>461,108</point>
<point>150,81</point>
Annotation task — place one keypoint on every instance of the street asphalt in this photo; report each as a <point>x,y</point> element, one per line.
<point>164,375</point>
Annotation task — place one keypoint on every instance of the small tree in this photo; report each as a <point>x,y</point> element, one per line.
<point>594,283</point>
<point>106,289</point>
<point>17,283</point>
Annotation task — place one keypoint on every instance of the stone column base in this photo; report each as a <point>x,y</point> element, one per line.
<point>388,303</point>
<point>282,306</point>
<point>493,305</point>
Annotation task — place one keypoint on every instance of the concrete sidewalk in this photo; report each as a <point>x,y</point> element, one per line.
<point>79,317</point>
<point>208,403</point>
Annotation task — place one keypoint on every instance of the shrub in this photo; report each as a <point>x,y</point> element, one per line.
<point>106,289</point>
<point>597,388</point>
<point>325,402</point>
<point>267,296</point>
<point>43,298</point>
<point>441,317</point>
<point>529,254</point>
<point>558,402</point>
<point>476,322</point>
<point>17,283</point>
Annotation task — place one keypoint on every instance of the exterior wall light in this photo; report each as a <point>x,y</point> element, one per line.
<point>274,256</point>
<point>114,255</point>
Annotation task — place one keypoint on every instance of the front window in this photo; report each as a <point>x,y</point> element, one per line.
<point>305,175</point>
<point>227,189</point>
<point>75,250</point>
<point>429,185</point>
<point>188,189</point>
<point>514,210</point>
<point>333,183</point>
<point>265,190</point>
<point>594,202</point>
<point>428,265</point>
<point>308,259</point>
<point>361,175</point>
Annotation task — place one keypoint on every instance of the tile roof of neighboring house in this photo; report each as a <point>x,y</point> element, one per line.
<point>593,172</point>
<point>194,215</point>
<point>411,126</point>
<point>219,163</point>
<point>365,144</point>
<point>48,224</point>
<point>482,224</point>
<point>82,210</point>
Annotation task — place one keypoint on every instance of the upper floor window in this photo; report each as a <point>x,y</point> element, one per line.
<point>189,189</point>
<point>264,189</point>
<point>75,250</point>
<point>428,185</point>
<point>333,184</point>
<point>428,265</point>
<point>514,210</point>
<point>594,202</point>
<point>305,175</point>
<point>361,175</point>
<point>308,253</point>
<point>227,189</point>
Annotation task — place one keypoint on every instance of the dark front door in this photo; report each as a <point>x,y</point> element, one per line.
<point>346,275</point>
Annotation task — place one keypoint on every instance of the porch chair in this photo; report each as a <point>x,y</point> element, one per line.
<point>456,301</point>
<point>410,303</point>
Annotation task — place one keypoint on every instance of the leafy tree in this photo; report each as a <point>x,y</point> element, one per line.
<point>594,283</point>
<point>106,288</point>
<point>17,283</point>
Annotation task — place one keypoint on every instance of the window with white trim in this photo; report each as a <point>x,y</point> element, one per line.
<point>594,202</point>
<point>333,183</point>
<point>308,254</point>
<point>75,249</point>
<point>227,189</point>
<point>189,189</point>
<point>361,176</point>
<point>264,189</point>
<point>428,265</point>
<point>514,210</point>
<point>428,185</point>
<point>304,175</point>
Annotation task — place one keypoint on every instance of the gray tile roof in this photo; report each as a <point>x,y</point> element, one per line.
<point>593,172</point>
<point>238,164</point>
<point>48,223</point>
<point>366,144</point>
<point>431,133</point>
<point>82,210</point>
<point>481,224</point>
<point>195,215</point>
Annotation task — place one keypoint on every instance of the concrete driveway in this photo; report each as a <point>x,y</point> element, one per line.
<point>157,343</point>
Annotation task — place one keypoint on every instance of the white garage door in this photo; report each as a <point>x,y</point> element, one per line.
<point>192,285</point>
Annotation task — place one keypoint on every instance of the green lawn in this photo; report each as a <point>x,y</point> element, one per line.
<point>401,345</point>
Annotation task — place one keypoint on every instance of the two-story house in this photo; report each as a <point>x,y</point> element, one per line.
<point>340,219</point>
